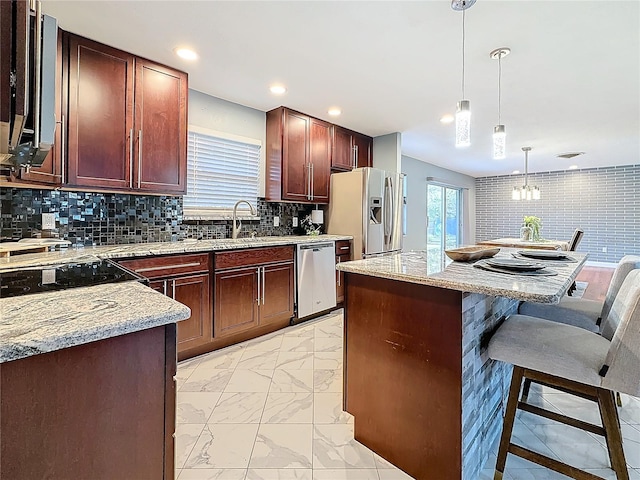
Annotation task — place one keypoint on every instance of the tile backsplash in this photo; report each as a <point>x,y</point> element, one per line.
<point>604,202</point>
<point>112,218</point>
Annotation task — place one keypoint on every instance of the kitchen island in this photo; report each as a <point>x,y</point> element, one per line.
<point>86,383</point>
<point>417,379</point>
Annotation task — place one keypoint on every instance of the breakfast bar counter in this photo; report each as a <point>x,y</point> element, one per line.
<point>417,379</point>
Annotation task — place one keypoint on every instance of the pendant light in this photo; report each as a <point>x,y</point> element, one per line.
<point>499,132</point>
<point>526,192</point>
<point>463,111</point>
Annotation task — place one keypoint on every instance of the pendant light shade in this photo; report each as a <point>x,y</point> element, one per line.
<point>463,112</point>
<point>499,132</point>
<point>463,124</point>
<point>499,142</point>
<point>526,192</point>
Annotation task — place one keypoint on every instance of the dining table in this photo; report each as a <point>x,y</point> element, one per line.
<point>542,244</point>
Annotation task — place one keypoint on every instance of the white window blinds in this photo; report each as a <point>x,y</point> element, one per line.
<point>220,171</point>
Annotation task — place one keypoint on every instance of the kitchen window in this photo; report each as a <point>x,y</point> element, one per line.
<point>221,169</point>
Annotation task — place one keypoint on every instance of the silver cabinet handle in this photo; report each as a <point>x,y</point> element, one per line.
<point>338,261</point>
<point>345,248</point>
<point>63,153</point>
<point>139,157</point>
<point>163,267</point>
<point>263,285</point>
<point>355,160</point>
<point>258,273</point>
<point>164,287</point>
<point>173,290</point>
<point>131,158</point>
<point>312,182</point>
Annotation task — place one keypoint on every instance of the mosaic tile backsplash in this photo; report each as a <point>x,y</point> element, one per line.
<point>113,218</point>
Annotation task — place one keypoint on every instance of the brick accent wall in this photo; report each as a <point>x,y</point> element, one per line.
<point>604,202</point>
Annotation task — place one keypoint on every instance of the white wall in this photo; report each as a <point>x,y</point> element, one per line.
<point>387,152</point>
<point>417,173</point>
<point>219,115</point>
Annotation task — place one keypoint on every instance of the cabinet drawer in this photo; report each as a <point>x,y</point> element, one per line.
<point>165,266</point>
<point>343,247</point>
<point>252,256</point>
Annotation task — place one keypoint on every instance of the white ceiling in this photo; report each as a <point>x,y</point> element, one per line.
<point>571,83</point>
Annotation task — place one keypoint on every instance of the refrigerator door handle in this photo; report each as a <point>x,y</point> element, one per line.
<point>388,210</point>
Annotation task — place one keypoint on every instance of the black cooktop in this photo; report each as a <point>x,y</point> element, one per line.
<point>60,277</point>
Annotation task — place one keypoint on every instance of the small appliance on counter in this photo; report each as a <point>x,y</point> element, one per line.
<point>50,278</point>
<point>368,204</point>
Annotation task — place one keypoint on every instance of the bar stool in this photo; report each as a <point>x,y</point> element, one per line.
<point>573,244</point>
<point>574,361</point>
<point>581,312</point>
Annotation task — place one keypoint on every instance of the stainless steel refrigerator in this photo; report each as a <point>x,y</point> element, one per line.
<point>368,203</point>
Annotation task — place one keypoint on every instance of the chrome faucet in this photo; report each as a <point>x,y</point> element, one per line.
<point>236,227</point>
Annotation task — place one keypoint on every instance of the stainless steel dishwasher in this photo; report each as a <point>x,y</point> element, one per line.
<point>316,285</point>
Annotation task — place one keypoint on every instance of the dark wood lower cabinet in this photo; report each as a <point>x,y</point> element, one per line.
<point>253,289</point>
<point>103,410</point>
<point>186,279</point>
<point>236,307</point>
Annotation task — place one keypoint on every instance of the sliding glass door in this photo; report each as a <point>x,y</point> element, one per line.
<point>443,223</point>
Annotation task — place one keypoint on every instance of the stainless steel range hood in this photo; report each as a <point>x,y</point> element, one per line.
<point>27,120</point>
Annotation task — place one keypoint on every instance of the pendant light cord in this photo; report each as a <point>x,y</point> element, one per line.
<point>463,12</point>
<point>499,88</point>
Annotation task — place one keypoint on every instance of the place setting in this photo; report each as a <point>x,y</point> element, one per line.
<point>515,266</point>
<point>559,257</point>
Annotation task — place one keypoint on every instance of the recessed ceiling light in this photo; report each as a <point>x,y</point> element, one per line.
<point>448,118</point>
<point>334,112</point>
<point>277,89</point>
<point>573,167</point>
<point>515,172</point>
<point>186,53</point>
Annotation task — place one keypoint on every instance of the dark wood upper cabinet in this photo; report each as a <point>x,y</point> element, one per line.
<point>320,159</point>
<point>363,146</point>
<point>298,157</point>
<point>160,121</point>
<point>295,162</point>
<point>100,112</point>
<point>342,151</point>
<point>350,150</point>
<point>127,120</point>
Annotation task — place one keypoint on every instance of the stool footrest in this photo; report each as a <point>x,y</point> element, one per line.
<point>551,463</point>
<point>558,417</point>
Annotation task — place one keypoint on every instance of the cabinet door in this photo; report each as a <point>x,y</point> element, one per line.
<point>276,302</point>
<point>320,159</point>
<point>342,149</point>
<point>364,150</point>
<point>295,164</point>
<point>160,155</point>
<point>194,292</point>
<point>50,171</point>
<point>236,301</point>
<point>100,111</point>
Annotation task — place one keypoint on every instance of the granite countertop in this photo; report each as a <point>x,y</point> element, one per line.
<point>45,322</point>
<point>92,254</point>
<point>412,267</point>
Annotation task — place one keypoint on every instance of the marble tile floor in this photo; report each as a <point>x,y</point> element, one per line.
<point>271,409</point>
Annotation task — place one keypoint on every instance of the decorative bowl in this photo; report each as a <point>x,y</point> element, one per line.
<point>466,254</point>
